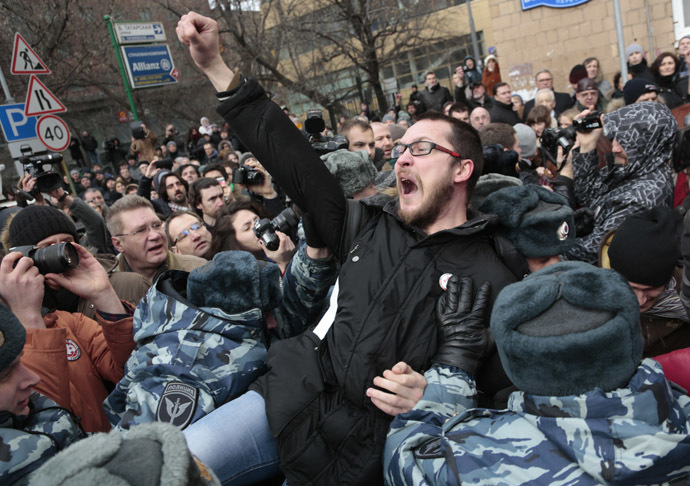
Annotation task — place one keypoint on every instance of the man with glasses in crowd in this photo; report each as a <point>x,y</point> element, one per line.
<point>187,234</point>
<point>324,415</point>
<point>544,80</point>
<point>138,235</point>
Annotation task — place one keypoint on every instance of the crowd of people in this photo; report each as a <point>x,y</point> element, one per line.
<point>449,296</point>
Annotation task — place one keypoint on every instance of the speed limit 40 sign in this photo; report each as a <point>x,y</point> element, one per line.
<point>53,133</point>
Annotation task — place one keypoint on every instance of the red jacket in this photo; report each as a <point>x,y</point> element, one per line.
<point>74,356</point>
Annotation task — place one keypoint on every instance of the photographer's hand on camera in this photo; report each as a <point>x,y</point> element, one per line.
<point>151,170</point>
<point>264,189</point>
<point>89,281</point>
<point>588,140</point>
<point>283,254</point>
<point>28,183</point>
<point>21,288</point>
<point>60,198</point>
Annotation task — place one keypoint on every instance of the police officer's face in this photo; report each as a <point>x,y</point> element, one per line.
<point>16,382</point>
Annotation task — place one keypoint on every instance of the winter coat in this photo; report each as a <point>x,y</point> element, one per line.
<point>646,131</point>
<point>435,98</point>
<point>502,113</point>
<point>29,441</point>
<point>188,360</point>
<point>328,430</point>
<point>75,356</point>
<point>639,434</point>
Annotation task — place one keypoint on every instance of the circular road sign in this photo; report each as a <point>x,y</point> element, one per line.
<point>53,133</point>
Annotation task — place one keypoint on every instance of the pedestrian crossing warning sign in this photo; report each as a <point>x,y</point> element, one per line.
<point>40,100</point>
<point>25,60</point>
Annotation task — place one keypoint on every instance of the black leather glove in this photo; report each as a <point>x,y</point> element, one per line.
<point>464,340</point>
<point>584,222</point>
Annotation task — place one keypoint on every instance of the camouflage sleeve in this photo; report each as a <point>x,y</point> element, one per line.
<point>47,430</point>
<point>413,452</point>
<point>305,292</point>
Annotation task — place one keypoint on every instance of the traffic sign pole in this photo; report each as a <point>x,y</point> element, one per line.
<point>5,88</point>
<point>128,89</point>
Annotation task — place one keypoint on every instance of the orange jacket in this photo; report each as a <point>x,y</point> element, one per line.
<point>74,356</point>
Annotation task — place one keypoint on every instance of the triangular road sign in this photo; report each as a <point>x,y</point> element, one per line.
<point>25,60</point>
<point>40,100</point>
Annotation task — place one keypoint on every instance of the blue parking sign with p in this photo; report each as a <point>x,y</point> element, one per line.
<point>15,125</point>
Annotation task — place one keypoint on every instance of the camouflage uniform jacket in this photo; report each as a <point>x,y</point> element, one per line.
<point>618,437</point>
<point>188,360</point>
<point>27,442</point>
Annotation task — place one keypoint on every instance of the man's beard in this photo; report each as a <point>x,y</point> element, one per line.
<point>179,198</point>
<point>431,208</point>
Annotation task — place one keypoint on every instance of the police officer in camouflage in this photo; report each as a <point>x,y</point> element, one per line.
<point>589,409</point>
<point>33,428</point>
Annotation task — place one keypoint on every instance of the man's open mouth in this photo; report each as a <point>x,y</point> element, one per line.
<point>408,186</point>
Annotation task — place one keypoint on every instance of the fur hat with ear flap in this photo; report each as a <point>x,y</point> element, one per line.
<point>235,282</point>
<point>568,329</point>
<point>12,337</point>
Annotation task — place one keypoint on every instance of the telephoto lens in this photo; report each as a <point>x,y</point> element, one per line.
<point>51,259</point>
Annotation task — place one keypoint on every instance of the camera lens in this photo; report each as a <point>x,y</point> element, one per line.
<point>56,258</point>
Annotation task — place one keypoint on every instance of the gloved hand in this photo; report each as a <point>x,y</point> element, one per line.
<point>584,222</point>
<point>464,340</point>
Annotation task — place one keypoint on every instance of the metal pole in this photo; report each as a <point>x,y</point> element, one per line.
<point>473,34</point>
<point>122,67</point>
<point>621,43</point>
<point>5,88</point>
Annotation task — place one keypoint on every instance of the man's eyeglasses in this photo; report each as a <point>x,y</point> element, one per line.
<point>421,147</point>
<point>183,234</point>
<point>140,233</point>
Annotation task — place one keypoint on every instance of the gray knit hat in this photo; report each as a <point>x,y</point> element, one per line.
<point>353,170</point>
<point>245,157</point>
<point>537,221</point>
<point>12,337</point>
<point>568,329</point>
<point>634,48</point>
<point>527,138</point>
<point>235,282</point>
<point>154,453</point>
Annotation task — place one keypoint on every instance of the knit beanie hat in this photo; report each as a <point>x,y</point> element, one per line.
<point>12,337</point>
<point>34,223</point>
<point>645,247</point>
<point>158,178</point>
<point>154,453</point>
<point>527,138</point>
<point>245,157</point>
<point>353,170</point>
<point>235,282</point>
<point>634,48</point>
<point>568,329</point>
<point>397,131</point>
<point>537,221</point>
<point>636,87</point>
<point>577,73</point>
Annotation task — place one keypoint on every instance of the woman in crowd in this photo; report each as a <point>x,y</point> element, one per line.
<point>664,68</point>
<point>539,119</point>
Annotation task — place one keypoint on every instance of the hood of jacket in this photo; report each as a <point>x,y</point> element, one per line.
<point>646,131</point>
<point>618,437</point>
<point>165,309</point>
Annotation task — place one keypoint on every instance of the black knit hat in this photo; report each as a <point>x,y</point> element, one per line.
<point>12,337</point>
<point>34,223</point>
<point>568,329</point>
<point>637,87</point>
<point>537,221</point>
<point>645,248</point>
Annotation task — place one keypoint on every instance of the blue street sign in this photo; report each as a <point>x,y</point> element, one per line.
<point>149,66</point>
<point>528,4</point>
<point>15,125</point>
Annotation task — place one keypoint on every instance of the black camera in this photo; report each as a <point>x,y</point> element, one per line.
<point>46,180</point>
<point>265,229</point>
<point>166,163</point>
<point>111,143</point>
<point>499,161</point>
<point>247,176</point>
<point>51,259</point>
<point>552,138</point>
<point>313,126</point>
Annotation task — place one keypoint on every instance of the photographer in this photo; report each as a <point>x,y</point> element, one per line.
<point>115,154</point>
<point>143,143</point>
<point>97,238</point>
<point>637,176</point>
<point>95,352</point>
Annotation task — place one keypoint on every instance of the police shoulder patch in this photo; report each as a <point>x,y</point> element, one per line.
<point>177,404</point>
